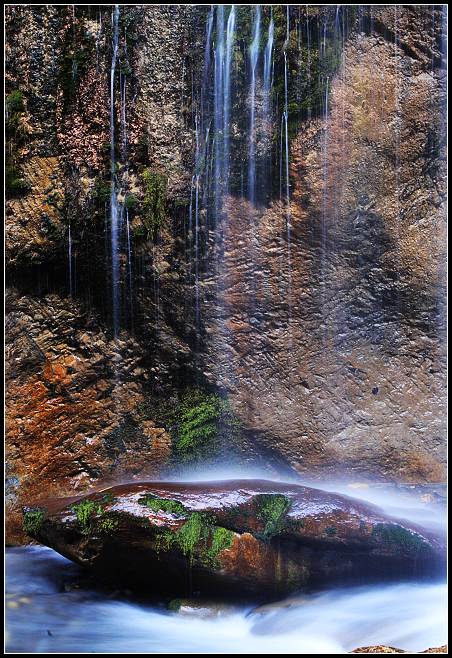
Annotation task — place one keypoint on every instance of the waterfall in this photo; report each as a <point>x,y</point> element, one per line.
<point>194,230</point>
<point>197,304</point>
<point>115,212</point>
<point>190,225</point>
<point>218,110</point>
<point>397,139</point>
<point>254,55</point>
<point>308,62</point>
<point>268,67</point>
<point>287,178</point>
<point>227,93</point>
<point>122,95</point>
<point>267,107</point>
<point>325,173</point>
<point>207,49</point>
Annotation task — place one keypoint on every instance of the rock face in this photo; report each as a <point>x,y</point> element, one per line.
<point>253,535</point>
<point>72,404</point>
<point>330,348</point>
<point>336,355</point>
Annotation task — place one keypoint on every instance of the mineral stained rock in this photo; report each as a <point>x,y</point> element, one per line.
<point>248,536</point>
<point>333,359</point>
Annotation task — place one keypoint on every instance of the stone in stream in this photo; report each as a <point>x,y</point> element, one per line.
<point>378,649</point>
<point>385,649</point>
<point>243,536</point>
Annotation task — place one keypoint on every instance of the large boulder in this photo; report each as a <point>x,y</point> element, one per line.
<point>251,535</point>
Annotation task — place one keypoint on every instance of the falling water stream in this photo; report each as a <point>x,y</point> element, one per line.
<point>254,54</point>
<point>115,208</point>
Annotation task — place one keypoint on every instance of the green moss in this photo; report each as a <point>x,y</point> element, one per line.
<point>202,424</point>
<point>15,102</point>
<point>163,505</point>
<point>17,129</point>
<point>107,525</point>
<point>33,520</point>
<point>130,201</point>
<point>271,510</point>
<point>190,534</point>
<point>389,533</point>
<point>220,539</point>
<point>101,190</point>
<point>197,539</point>
<point>205,424</point>
<point>174,605</point>
<point>331,531</point>
<point>154,202</point>
<point>85,510</point>
<point>13,180</point>
<point>198,422</point>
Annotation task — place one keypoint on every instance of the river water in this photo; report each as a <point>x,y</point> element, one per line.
<point>46,614</point>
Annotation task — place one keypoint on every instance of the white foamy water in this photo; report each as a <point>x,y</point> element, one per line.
<point>42,618</point>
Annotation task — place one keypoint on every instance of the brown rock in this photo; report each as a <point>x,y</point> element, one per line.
<point>378,649</point>
<point>249,535</point>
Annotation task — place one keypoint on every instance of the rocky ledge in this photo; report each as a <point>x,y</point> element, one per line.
<point>246,536</point>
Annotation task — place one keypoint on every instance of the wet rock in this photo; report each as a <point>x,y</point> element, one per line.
<point>250,536</point>
<point>72,418</point>
<point>442,649</point>
<point>378,649</point>
<point>200,608</point>
<point>384,649</point>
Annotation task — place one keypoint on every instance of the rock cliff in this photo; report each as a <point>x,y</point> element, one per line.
<point>326,344</point>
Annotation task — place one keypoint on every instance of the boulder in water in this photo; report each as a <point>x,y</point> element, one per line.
<point>246,535</point>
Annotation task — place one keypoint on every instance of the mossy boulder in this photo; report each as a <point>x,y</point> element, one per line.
<point>245,536</point>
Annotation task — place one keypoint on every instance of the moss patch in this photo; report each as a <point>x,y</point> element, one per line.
<point>192,532</point>
<point>388,533</point>
<point>201,423</point>
<point>85,511</point>
<point>271,509</point>
<point>221,539</point>
<point>130,201</point>
<point>199,539</point>
<point>163,505</point>
<point>33,520</point>
<point>107,524</point>
<point>154,202</point>
<point>205,424</point>
<point>174,605</point>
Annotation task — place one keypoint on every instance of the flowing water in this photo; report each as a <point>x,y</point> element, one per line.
<point>44,613</point>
